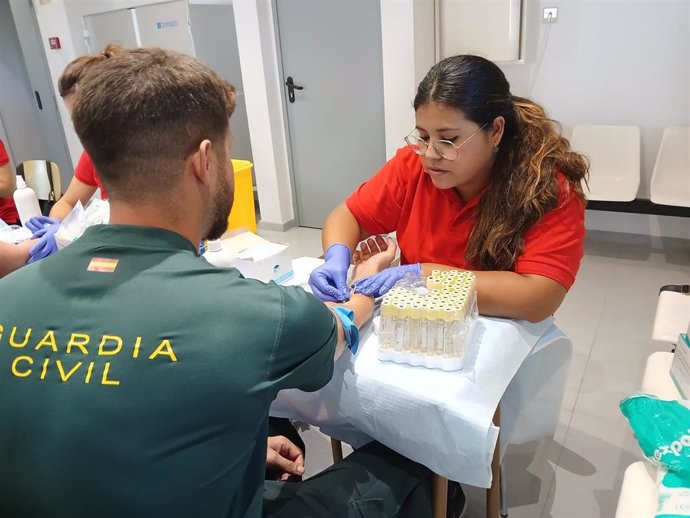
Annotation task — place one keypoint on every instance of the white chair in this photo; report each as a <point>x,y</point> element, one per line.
<point>614,154</point>
<point>672,313</point>
<point>639,494</point>
<point>43,176</point>
<point>657,377</point>
<point>671,177</point>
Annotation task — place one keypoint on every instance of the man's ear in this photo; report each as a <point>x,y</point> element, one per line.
<point>200,161</point>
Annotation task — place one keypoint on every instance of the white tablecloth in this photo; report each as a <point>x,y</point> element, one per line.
<point>440,419</point>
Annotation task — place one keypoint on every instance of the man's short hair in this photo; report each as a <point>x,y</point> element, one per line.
<point>142,112</point>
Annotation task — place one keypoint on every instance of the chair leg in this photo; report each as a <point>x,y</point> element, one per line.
<point>439,496</point>
<point>504,492</point>
<point>337,450</point>
<point>493,493</point>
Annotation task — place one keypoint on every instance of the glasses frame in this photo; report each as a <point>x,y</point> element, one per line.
<point>417,147</point>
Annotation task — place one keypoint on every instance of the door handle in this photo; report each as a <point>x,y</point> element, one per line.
<point>38,100</point>
<point>291,89</point>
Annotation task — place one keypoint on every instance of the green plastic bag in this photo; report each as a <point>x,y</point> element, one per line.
<point>662,429</point>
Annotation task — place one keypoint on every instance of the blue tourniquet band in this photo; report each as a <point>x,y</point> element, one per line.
<point>346,317</point>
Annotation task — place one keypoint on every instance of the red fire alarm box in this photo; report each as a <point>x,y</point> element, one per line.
<point>54,42</point>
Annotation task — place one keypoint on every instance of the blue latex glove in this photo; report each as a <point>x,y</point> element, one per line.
<point>46,244</point>
<point>379,284</point>
<point>40,224</point>
<point>329,281</point>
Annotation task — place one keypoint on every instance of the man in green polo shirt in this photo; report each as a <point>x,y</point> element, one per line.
<point>135,378</point>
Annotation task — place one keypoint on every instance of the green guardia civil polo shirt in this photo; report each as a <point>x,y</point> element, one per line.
<point>136,378</point>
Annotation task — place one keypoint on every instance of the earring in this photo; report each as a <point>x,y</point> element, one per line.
<point>495,149</point>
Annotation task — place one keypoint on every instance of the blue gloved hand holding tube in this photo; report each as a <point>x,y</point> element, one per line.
<point>43,228</point>
<point>329,281</point>
<point>379,284</point>
<point>40,224</point>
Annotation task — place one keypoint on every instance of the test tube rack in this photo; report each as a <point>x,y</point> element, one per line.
<point>429,325</point>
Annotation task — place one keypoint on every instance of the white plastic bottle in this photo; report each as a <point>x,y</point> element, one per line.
<point>26,201</point>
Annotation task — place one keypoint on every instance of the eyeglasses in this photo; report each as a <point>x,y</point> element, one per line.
<point>445,148</point>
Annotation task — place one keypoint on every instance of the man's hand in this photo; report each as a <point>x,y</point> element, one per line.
<point>369,247</point>
<point>373,277</point>
<point>377,261</point>
<point>284,460</point>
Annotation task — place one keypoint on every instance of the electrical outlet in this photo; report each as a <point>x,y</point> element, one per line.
<point>550,14</point>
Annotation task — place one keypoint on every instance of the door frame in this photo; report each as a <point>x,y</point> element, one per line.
<point>293,173</point>
<point>286,119</point>
<point>66,176</point>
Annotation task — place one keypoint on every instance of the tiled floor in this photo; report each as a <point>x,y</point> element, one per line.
<point>608,315</point>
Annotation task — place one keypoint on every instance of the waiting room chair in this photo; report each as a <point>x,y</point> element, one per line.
<point>614,155</point>
<point>43,176</point>
<point>672,313</point>
<point>671,177</point>
<point>639,492</point>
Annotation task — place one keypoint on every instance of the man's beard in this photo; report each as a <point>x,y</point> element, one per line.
<point>222,203</point>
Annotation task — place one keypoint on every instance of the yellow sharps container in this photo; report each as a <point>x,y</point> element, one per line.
<point>243,213</point>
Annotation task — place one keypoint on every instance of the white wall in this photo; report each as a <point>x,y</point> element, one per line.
<point>407,29</point>
<point>263,86</point>
<point>52,21</point>
<point>613,62</point>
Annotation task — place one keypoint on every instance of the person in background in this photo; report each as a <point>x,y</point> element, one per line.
<point>8,212</point>
<point>86,180</point>
<point>138,377</point>
<point>485,183</point>
<point>12,256</point>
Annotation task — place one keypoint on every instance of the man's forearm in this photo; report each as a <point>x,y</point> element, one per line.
<point>13,257</point>
<point>363,308</point>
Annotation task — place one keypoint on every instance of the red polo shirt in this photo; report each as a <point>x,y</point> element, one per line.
<point>8,212</point>
<point>433,225</point>
<point>86,173</point>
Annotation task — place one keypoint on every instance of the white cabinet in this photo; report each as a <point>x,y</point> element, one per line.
<point>488,28</point>
<point>158,25</point>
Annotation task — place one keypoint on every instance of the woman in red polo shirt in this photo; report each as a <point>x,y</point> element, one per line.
<point>8,212</point>
<point>485,183</point>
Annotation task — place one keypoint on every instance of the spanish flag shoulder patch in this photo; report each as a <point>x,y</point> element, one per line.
<point>102,264</point>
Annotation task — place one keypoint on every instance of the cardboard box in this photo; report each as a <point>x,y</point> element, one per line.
<point>680,368</point>
<point>254,256</point>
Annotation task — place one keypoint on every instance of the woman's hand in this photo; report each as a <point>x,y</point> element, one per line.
<point>329,281</point>
<point>378,285</point>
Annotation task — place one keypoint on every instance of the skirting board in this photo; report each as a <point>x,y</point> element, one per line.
<point>277,227</point>
<point>644,224</point>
